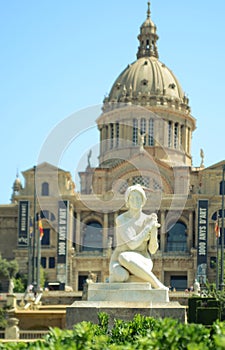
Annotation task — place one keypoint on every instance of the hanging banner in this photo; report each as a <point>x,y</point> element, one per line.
<point>63,207</point>
<point>23,224</point>
<point>202,240</point>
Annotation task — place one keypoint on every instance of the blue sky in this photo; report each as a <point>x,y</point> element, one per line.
<point>60,57</point>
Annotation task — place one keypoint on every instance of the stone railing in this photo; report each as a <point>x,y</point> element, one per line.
<point>28,335</point>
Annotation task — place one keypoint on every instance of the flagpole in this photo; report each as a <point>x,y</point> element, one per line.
<point>34,233</point>
<point>30,261</point>
<point>38,255</point>
<point>222,236</point>
<point>217,264</point>
<point>217,253</point>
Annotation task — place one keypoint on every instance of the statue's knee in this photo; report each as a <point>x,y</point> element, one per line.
<point>119,274</point>
<point>123,258</point>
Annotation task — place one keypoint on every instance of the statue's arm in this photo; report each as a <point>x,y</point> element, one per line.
<point>153,242</point>
<point>130,237</point>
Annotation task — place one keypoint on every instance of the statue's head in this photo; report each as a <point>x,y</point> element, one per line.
<point>139,190</point>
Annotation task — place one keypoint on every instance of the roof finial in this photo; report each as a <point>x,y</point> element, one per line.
<point>148,11</point>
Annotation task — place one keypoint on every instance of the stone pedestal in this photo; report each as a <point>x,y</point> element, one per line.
<point>12,330</point>
<point>127,292</point>
<point>123,301</point>
<point>88,311</point>
<point>11,301</point>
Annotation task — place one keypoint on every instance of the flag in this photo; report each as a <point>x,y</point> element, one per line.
<point>217,228</point>
<point>41,230</point>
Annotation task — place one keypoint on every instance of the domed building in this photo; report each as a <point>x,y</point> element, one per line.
<point>145,132</point>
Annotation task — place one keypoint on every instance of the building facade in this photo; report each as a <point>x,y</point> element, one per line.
<point>145,132</point>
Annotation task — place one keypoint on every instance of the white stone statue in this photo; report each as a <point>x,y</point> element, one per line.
<point>11,286</point>
<point>136,235</point>
<point>197,288</point>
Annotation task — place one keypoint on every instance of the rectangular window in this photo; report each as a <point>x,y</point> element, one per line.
<point>222,188</point>
<point>178,283</point>
<point>82,281</point>
<point>46,237</point>
<point>45,189</point>
<point>51,263</point>
<point>43,262</point>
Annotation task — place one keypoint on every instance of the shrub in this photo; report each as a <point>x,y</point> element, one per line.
<point>141,333</point>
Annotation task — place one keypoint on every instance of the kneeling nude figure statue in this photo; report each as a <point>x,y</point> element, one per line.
<point>136,235</point>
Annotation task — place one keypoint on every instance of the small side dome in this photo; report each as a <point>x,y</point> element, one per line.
<point>17,186</point>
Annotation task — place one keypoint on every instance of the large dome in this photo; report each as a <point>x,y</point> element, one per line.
<point>147,81</point>
<point>146,77</point>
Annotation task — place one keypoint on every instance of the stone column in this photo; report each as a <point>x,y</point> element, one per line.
<point>105,231</point>
<point>114,230</point>
<point>76,280</point>
<point>112,135</point>
<point>178,136</point>
<point>106,146</point>
<point>162,231</point>
<point>122,133</point>
<point>196,228</point>
<point>78,242</point>
<point>188,140</point>
<point>102,137</point>
<point>190,231</point>
<point>190,277</point>
<point>172,134</point>
<point>181,131</point>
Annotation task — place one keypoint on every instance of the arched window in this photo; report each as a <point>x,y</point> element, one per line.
<point>45,189</point>
<point>151,132</point>
<point>169,134</point>
<point>135,131</point>
<point>143,129</point>
<point>46,214</point>
<point>117,134</point>
<point>177,238</point>
<point>92,237</point>
<point>176,135</point>
<point>141,180</point>
<point>111,135</point>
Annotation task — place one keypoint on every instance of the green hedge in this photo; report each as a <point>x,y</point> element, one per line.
<point>142,333</point>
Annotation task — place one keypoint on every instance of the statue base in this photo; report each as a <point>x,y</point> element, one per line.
<point>88,311</point>
<point>123,301</point>
<point>132,292</point>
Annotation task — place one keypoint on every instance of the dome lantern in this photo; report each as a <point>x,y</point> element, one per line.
<point>148,38</point>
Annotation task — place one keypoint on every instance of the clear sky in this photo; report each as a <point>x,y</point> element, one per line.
<point>60,57</point>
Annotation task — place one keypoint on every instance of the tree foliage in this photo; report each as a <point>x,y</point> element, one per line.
<point>8,269</point>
